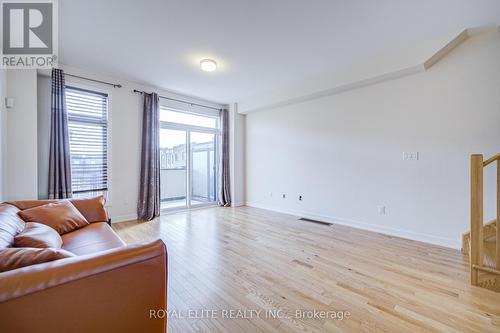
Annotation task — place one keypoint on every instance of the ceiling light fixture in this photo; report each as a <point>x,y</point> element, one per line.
<point>208,65</point>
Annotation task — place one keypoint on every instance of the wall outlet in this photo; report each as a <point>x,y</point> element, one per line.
<point>300,198</point>
<point>270,194</point>
<point>284,196</point>
<point>410,156</point>
<point>381,210</point>
<point>9,102</point>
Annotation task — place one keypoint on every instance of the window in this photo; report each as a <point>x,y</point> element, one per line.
<point>88,139</point>
<point>190,142</point>
<point>171,116</point>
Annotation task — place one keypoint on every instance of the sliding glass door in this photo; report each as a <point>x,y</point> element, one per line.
<point>203,168</point>
<point>188,160</point>
<point>173,168</point>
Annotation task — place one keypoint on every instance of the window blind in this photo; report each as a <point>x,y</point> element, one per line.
<point>88,136</point>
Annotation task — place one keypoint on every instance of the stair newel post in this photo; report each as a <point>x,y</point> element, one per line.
<point>476,227</point>
<point>498,217</point>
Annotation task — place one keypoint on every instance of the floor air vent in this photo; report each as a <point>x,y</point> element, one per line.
<point>315,221</point>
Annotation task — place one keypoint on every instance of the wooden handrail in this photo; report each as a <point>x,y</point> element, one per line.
<point>491,160</point>
<point>487,269</point>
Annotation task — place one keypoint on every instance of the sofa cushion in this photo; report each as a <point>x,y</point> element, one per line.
<point>38,235</point>
<point>93,208</point>
<point>27,204</point>
<point>17,257</point>
<point>62,216</point>
<point>93,238</point>
<point>10,225</point>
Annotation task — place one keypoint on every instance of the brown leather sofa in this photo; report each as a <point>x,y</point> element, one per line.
<point>107,287</point>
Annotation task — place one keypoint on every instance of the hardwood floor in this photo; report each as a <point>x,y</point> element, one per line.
<point>248,258</point>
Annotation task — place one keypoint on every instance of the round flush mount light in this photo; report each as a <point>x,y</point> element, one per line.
<point>208,65</point>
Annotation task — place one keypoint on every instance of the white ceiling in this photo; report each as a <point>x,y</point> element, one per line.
<point>261,46</point>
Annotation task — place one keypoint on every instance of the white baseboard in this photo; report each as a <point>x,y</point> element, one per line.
<point>123,218</point>
<point>237,204</point>
<point>426,238</point>
<point>133,216</point>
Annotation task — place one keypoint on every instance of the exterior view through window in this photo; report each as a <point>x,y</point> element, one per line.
<point>88,138</point>
<point>188,159</point>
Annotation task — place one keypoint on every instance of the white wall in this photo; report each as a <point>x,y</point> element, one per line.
<point>343,153</point>
<point>21,136</point>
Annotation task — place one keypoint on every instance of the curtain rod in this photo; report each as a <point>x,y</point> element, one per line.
<point>115,85</point>
<point>180,101</point>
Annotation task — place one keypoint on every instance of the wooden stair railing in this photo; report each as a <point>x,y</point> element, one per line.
<point>477,236</point>
<point>489,233</point>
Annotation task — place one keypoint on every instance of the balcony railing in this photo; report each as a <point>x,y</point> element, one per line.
<point>173,186</point>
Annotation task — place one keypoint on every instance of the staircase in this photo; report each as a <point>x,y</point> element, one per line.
<point>482,243</point>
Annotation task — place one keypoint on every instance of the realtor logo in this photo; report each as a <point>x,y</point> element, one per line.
<point>28,34</point>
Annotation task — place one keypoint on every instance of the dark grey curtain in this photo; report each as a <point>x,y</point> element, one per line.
<point>224,177</point>
<point>59,156</point>
<point>149,194</point>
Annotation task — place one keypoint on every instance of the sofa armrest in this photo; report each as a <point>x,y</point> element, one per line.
<point>111,291</point>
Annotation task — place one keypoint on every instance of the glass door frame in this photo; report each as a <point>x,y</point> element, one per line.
<point>189,162</point>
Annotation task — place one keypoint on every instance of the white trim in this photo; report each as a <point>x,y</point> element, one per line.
<point>426,238</point>
<point>450,46</point>
<point>184,209</point>
<point>123,218</point>
<point>209,114</point>
<point>190,109</point>
<point>421,67</point>
<point>132,217</point>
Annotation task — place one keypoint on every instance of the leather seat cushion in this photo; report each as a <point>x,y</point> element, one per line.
<point>93,238</point>
<point>16,257</point>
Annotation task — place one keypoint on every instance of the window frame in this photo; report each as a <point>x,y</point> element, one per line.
<point>99,90</point>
